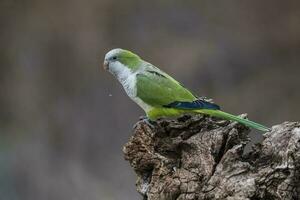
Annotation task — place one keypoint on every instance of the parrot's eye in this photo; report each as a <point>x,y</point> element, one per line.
<point>114,58</point>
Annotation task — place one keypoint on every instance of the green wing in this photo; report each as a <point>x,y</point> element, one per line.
<point>159,89</point>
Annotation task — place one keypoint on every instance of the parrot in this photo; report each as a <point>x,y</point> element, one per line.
<point>160,95</point>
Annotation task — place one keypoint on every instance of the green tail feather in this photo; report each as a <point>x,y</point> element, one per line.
<point>227,116</point>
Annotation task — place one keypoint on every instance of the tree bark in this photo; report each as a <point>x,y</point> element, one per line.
<point>199,157</point>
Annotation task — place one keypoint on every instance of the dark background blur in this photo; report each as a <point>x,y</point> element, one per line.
<point>63,120</point>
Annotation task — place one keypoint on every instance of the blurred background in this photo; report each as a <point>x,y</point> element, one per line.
<point>64,120</point>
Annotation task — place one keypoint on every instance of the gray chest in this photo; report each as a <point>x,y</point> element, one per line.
<point>129,85</point>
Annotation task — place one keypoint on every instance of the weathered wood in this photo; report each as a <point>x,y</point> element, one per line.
<point>198,157</point>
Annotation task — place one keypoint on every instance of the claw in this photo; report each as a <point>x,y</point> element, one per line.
<point>143,117</point>
<point>135,125</point>
<point>149,122</point>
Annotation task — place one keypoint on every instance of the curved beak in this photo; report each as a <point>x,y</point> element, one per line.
<point>106,65</point>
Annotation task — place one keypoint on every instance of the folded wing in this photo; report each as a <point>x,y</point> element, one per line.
<point>197,104</point>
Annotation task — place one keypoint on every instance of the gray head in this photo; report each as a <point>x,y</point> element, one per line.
<point>117,60</point>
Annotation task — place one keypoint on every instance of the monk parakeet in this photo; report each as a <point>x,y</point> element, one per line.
<point>157,93</point>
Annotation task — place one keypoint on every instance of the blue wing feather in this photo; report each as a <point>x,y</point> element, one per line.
<point>198,104</point>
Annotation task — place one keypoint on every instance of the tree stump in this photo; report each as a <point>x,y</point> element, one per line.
<point>199,157</point>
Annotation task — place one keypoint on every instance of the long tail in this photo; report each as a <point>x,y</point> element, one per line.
<point>227,116</point>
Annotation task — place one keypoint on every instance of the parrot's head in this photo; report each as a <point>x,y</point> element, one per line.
<point>117,61</point>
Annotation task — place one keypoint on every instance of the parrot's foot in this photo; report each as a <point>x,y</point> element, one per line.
<point>143,117</point>
<point>147,121</point>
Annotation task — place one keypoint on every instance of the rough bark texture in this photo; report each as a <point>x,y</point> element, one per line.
<point>200,157</point>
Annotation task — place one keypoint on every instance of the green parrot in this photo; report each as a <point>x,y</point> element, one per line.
<point>157,93</point>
